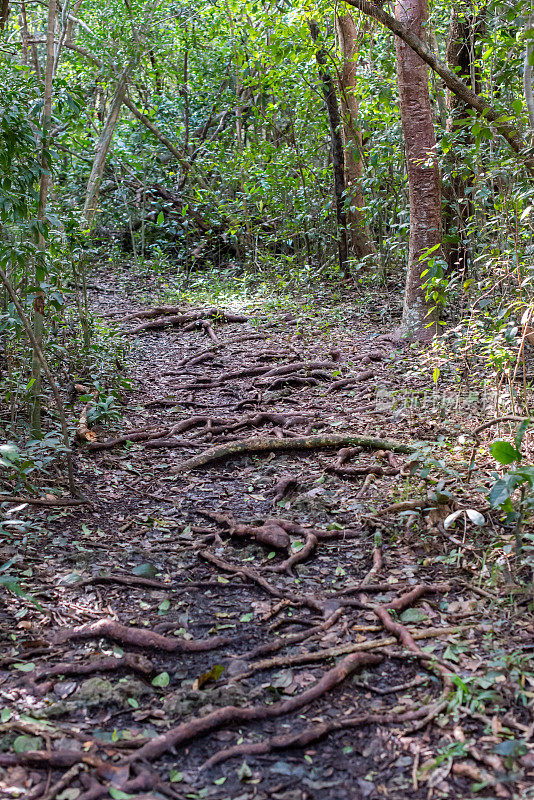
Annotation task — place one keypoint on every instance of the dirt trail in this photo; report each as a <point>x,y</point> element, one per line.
<point>252,628</point>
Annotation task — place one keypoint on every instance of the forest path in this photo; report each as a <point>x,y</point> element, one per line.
<point>263,602</point>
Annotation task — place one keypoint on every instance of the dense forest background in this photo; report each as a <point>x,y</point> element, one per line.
<point>230,229</point>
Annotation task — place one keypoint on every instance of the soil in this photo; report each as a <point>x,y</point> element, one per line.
<point>94,705</point>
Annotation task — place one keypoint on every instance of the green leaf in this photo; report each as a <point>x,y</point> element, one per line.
<point>413,615</point>
<point>23,744</point>
<point>164,606</point>
<point>511,748</point>
<point>118,794</point>
<point>246,617</point>
<point>5,715</point>
<point>504,452</point>
<point>175,776</point>
<point>500,493</point>
<point>219,781</point>
<point>212,674</point>
<point>133,702</point>
<point>145,570</point>
<point>26,667</point>
<point>162,680</point>
<point>161,218</point>
<point>244,773</point>
<point>520,433</point>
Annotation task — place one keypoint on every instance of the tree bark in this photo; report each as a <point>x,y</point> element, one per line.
<point>418,319</point>
<point>360,240</point>
<point>527,74</point>
<point>38,305</point>
<point>4,14</point>
<point>464,27</point>
<point>102,148</point>
<point>334,121</point>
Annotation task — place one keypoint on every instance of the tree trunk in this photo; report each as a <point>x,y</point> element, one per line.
<point>102,148</point>
<point>418,319</point>
<point>360,240</point>
<point>334,120</point>
<point>465,26</point>
<point>4,14</point>
<point>527,74</point>
<point>38,315</point>
<point>497,118</point>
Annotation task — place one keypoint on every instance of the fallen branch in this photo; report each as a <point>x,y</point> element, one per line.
<point>83,433</point>
<point>124,580</point>
<point>138,637</point>
<point>43,501</point>
<point>262,445</point>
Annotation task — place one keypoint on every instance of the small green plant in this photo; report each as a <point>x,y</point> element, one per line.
<point>519,478</point>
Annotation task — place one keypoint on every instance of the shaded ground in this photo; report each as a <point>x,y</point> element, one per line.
<point>309,590</point>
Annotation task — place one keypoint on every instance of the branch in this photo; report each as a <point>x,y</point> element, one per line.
<point>457,87</point>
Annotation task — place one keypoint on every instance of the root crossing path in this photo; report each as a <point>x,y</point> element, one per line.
<point>252,604</point>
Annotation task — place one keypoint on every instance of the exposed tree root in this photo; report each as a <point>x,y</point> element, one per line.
<point>175,320</point>
<point>251,574</point>
<point>295,638</point>
<point>261,445</point>
<point>54,759</point>
<point>283,487</point>
<point>345,382</point>
<point>375,569</point>
<point>230,715</point>
<point>210,352</point>
<point>270,533</point>
<point>313,656</point>
<point>138,637</point>
<point>312,734</point>
<point>131,661</point>
<point>407,505</point>
<point>297,558</point>
<point>157,311</point>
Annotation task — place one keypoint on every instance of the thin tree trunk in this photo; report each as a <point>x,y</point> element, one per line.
<point>334,120</point>
<point>461,46</point>
<point>38,316</point>
<point>360,240</point>
<point>42,360</point>
<point>527,74</point>
<point>418,320</point>
<point>102,148</point>
<point>4,14</point>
